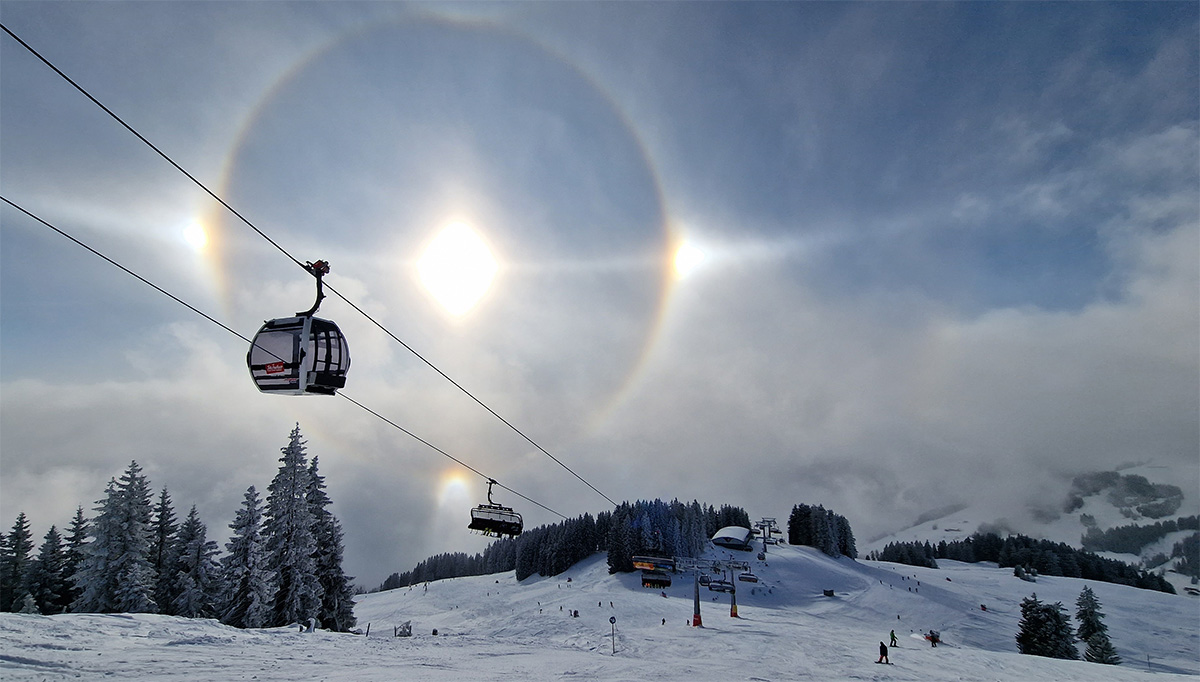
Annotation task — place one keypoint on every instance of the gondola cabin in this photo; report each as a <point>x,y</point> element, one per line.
<point>298,356</point>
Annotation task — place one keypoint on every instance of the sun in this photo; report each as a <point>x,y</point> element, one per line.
<point>457,268</point>
<point>688,258</point>
<point>195,236</point>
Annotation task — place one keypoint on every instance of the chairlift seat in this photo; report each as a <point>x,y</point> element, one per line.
<point>495,520</point>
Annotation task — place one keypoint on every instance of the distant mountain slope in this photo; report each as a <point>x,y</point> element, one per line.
<point>1142,494</point>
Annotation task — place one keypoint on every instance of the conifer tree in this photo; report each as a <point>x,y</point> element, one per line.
<point>94,580</point>
<point>290,544</point>
<point>14,565</point>
<point>1045,630</point>
<point>337,592</point>
<point>847,546</point>
<point>196,577</point>
<point>165,553</point>
<point>116,574</point>
<point>47,583</point>
<point>1092,630</point>
<point>135,573</point>
<point>819,523</point>
<point>248,584</point>
<point>73,553</point>
<point>800,525</point>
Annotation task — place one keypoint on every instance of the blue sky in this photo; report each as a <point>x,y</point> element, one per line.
<point>949,251</point>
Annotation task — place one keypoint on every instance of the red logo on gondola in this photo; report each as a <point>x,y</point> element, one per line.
<point>274,368</point>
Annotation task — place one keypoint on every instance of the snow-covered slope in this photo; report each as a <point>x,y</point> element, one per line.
<point>494,628</point>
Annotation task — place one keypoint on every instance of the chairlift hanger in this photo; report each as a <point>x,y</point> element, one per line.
<point>302,354</point>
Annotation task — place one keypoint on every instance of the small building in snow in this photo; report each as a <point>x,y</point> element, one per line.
<point>732,537</point>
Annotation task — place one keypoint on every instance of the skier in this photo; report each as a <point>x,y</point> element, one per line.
<point>883,658</point>
<point>893,638</point>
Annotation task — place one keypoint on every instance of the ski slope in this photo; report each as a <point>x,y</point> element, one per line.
<point>494,628</point>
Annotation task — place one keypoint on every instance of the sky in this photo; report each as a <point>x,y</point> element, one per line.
<point>878,256</point>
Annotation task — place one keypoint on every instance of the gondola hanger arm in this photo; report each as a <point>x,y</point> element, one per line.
<point>318,269</point>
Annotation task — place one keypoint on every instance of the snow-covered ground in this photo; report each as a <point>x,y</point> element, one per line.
<point>494,628</point>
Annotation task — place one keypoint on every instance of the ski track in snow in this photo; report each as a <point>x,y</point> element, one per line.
<point>493,628</point>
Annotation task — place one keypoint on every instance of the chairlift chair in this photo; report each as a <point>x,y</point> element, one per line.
<point>495,520</point>
<point>302,354</point>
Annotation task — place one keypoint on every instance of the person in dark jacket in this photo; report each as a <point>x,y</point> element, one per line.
<point>883,653</point>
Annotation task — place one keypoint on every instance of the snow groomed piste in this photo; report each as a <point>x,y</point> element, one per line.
<point>494,628</point>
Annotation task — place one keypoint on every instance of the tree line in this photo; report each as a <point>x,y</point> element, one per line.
<point>283,562</point>
<point>1130,539</point>
<point>1042,556</point>
<point>649,527</point>
<point>821,528</point>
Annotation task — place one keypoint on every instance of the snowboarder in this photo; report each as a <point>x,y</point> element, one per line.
<point>934,638</point>
<point>893,638</point>
<point>883,658</point>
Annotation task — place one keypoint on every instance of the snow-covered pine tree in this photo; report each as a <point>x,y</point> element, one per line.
<point>620,542</point>
<point>94,580</point>
<point>1045,630</point>
<point>290,544</point>
<point>196,576</point>
<point>249,586</point>
<point>820,528</point>
<point>14,565</point>
<point>847,545</point>
<point>134,573</point>
<point>1092,630</point>
<point>73,553</point>
<point>1062,638</point>
<point>799,528</point>
<point>835,535</point>
<point>46,580</point>
<point>116,574</point>
<point>337,592</point>
<point>165,553</point>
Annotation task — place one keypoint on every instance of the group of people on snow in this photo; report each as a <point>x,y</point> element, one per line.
<point>934,637</point>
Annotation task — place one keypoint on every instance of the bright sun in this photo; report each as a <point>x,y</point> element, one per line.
<point>688,257</point>
<point>195,236</point>
<point>457,268</point>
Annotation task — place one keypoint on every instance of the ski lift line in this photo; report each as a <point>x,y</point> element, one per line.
<point>133,274</point>
<point>295,260</point>
<point>456,460</point>
<point>470,395</point>
<point>148,143</point>
<point>238,334</point>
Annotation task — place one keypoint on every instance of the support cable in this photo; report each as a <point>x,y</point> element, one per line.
<point>238,334</point>
<point>297,261</point>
